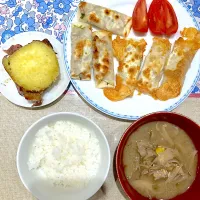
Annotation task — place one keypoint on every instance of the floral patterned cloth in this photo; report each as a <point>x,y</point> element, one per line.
<point>51,16</point>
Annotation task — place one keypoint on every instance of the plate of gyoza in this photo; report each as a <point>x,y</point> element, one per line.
<point>126,74</point>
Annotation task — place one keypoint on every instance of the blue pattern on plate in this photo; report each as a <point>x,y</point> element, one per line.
<point>53,17</point>
<point>196,8</point>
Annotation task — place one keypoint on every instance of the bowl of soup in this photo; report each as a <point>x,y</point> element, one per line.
<point>158,157</point>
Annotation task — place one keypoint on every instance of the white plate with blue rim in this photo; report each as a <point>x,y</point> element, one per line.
<point>139,105</point>
<point>24,21</point>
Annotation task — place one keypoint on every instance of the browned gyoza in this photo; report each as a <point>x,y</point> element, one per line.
<point>103,64</point>
<point>104,18</point>
<point>81,51</point>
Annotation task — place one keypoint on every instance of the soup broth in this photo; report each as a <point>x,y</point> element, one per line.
<point>160,160</point>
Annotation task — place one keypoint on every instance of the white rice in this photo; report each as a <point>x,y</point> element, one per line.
<point>66,153</point>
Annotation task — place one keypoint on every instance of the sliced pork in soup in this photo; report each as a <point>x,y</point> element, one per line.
<point>160,160</point>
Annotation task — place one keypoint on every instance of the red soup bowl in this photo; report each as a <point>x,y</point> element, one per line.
<point>190,127</point>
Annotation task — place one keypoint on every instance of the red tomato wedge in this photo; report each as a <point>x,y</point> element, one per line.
<point>171,19</point>
<point>139,17</point>
<point>162,18</point>
<point>156,15</point>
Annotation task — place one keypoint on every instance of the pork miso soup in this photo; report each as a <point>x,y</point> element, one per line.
<point>160,160</point>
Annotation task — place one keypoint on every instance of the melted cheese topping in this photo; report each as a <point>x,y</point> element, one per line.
<point>177,66</point>
<point>103,59</point>
<point>104,18</point>
<point>130,54</point>
<point>173,61</point>
<point>81,51</point>
<point>151,73</point>
<point>118,93</point>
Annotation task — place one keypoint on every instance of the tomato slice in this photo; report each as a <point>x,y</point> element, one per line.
<point>156,15</point>
<point>139,17</point>
<point>171,19</point>
<point>162,18</point>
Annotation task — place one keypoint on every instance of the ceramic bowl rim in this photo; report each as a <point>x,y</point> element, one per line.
<point>127,133</point>
<point>53,115</point>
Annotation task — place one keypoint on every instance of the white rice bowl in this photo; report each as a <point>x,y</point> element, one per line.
<point>78,153</point>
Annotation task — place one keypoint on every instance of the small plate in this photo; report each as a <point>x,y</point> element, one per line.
<point>8,87</point>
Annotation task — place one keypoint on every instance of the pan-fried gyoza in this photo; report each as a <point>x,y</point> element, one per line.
<point>81,57</point>
<point>154,63</point>
<point>178,64</point>
<point>129,53</point>
<point>104,18</point>
<point>103,65</point>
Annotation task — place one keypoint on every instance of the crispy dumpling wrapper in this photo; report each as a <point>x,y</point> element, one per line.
<point>81,51</point>
<point>129,53</point>
<point>104,18</point>
<point>154,63</point>
<point>103,65</point>
<point>120,91</point>
<point>178,64</point>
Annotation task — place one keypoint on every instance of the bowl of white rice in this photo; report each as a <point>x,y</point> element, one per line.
<point>63,156</point>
